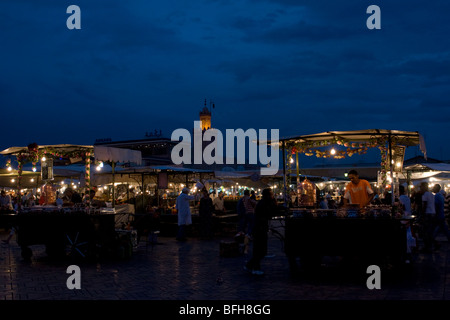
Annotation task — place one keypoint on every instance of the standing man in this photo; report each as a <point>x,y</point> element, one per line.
<point>429,217</point>
<point>249,205</point>
<point>265,209</point>
<point>447,204</point>
<point>218,203</point>
<point>184,213</point>
<point>441,223</point>
<point>205,215</point>
<point>358,191</point>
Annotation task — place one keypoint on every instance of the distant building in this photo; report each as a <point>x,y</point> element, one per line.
<point>156,149</point>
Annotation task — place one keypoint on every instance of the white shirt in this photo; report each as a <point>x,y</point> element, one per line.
<point>184,210</point>
<point>218,204</point>
<point>404,199</point>
<point>429,198</point>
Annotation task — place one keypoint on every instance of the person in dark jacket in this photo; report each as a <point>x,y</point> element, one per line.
<point>265,209</point>
<point>205,214</point>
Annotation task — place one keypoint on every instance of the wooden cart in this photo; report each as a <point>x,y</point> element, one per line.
<point>375,240</point>
<point>74,234</point>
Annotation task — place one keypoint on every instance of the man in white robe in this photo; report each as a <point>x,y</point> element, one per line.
<point>184,213</point>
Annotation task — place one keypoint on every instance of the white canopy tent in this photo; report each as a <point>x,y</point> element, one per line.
<point>428,172</point>
<point>114,156</point>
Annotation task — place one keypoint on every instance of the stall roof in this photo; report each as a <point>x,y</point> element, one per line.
<point>429,166</point>
<point>411,137</point>
<point>102,153</point>
<point>406,138</point>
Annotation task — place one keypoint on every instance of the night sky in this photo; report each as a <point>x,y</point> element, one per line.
<point>299,66</point>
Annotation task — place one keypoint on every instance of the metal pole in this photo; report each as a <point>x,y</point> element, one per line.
<point>298,176</point>
<point>391,169</point>
<point>113,166</point>
<point>408,181</point>
<point>143,209</point>
<point>284,173</point>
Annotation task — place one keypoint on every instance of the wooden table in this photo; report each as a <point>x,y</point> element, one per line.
<point>369,238</point>
<point>74,233</point>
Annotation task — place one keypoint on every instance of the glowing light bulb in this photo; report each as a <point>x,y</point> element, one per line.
<point>333,151</point>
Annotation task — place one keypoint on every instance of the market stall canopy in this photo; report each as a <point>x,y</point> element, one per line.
<point>405,138</point>
<point>408,138</point>
<point>420,171</point>
<point>442,178</point>
<point>428,166</point>
<point>117,155</point>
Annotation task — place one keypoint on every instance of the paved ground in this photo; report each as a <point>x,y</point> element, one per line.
<point>194,270</point>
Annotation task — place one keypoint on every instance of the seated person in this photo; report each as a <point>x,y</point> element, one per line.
<point>323,204</point>
<point>96,203</point>
<point>5,202</point>
<point>71,197</point>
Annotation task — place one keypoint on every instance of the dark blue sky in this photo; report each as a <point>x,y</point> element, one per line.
<point>299,66</point>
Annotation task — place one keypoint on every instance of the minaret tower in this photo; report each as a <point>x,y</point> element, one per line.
<point>205,118</point>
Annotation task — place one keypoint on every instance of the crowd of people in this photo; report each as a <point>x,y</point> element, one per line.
<point>10,202</point>
<point>432,210</point>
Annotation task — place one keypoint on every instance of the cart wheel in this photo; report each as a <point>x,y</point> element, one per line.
<point>77,246</point>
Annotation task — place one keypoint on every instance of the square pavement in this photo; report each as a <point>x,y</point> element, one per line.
<point>195,270</point>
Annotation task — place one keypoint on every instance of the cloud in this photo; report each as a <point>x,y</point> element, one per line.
<point>292,64</point>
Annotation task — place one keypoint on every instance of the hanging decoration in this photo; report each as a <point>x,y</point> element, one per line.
<point>345,148</point>
<point>8,165</point>
<point>384,157</point>
<point>289,168</point>
<point>311,148</point>
<point>316,148</point>
<point>88,172</point>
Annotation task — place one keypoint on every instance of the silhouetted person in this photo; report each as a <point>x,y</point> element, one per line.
<point>205,214</point>
<point>265,209</point>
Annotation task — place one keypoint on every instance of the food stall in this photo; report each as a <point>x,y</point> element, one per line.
<point>375,232</point>
<point>72,227</point>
